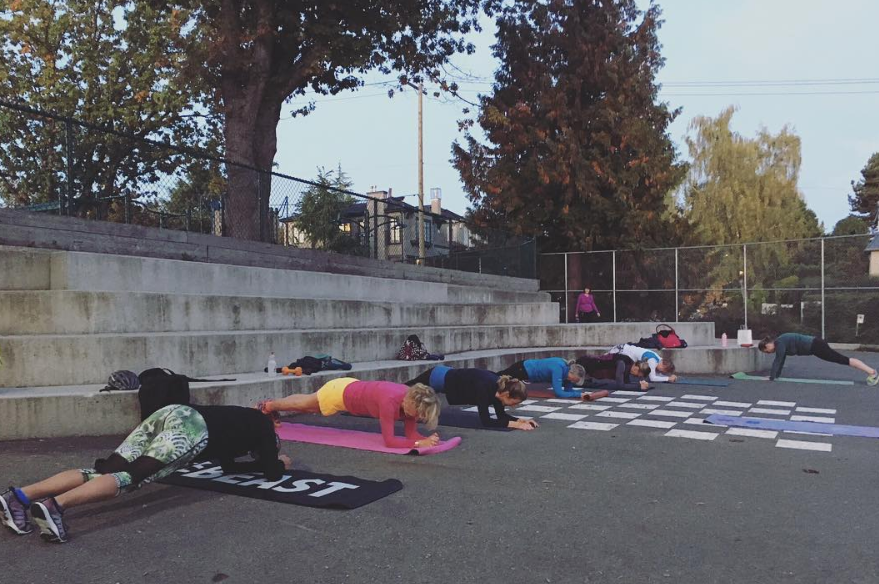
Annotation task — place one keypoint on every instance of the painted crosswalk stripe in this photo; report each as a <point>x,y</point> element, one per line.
<point>592,426</point>
<point>816,410</point>
<point>771,411</point>
<point>726,404</point>
<point>653,424</point>
<point>528,402</point>
<point>803,445</point>
<point>807,433</point>
<point>617,400</point>
<point>752,432</point>
<point>589,407</point>
<point>766,402</point>
<point>721,412</point>
<point>818,419</point>
<point>661,398</point>
<point>671,413</point>
<point>628,393</point>
<point>702,397</point>
<point>561,416</point>
<point>559,401</point>
<point>611,414</point>
<point>537,409</point>
<point>691,434</point>
<point>639,406</point>
<point>680,404</point>
<point>699,422</point>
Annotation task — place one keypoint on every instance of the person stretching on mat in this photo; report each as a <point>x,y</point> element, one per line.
<point>797,344</point>
<point>661,370</point>
<point>615,372</point>
<point>563,374</point>
<point>384,400</point>
<point>169,438</point>
<point>480,388</point>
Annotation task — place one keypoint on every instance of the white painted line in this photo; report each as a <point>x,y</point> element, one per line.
<point>528,402</point>
<point>670,413</point>
<point>639,406</point>
<point>656,398</point>
<point>816,410</point>
<point>592,426</point>
<point>771,411</point>
<point>691,434</point>
<point>560,401</point>
<point>813,419</point>
<point>652,424</point>
<point>611,414</point>
<point>616,400</point>
<point>589,407</point>
<point>702,397</point>
<point>628,393</point>
<point>685,405</point>
<point>701,422</point>
<point>536,409</point>
<point>764,402</point>
<point>752,433</point>
<point>561,416</point>
<point>726,404</point>
<point>802,445</point>
<point>807,433</point>
<point>721,412</point>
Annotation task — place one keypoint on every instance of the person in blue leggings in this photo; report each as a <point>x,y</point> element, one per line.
<point>564,375</point>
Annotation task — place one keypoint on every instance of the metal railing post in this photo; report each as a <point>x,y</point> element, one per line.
<point>68,135</point>
<point>614,285</point>
<point>823,334</point>
<point>677,304</point>
<point>745,281</point>
<point>567,314</point>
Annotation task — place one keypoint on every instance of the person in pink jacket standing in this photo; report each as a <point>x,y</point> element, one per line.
<point>587,310</point>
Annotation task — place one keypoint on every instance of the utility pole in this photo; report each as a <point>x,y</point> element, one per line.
<point>420,173</point>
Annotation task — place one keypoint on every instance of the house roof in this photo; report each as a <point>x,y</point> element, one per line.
<point>874,244</point>
<point>359,209</point>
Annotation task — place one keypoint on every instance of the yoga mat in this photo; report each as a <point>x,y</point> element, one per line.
<point>706,382</point>
<point>744,376</point>
<point>354,439</point>
<point>456,418</point>
<point>781,425</point>
<point>297,487</point>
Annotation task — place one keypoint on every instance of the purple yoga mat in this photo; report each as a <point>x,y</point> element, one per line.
<point>354,439</point>
<point>817,427</point>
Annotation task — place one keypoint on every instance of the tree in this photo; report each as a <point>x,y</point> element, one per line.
<point>112,64</point>
<point>261,53</point>
<point>865,198</point>
<point>851,225</point>
<point>577,148</point>
<point>319,212</point>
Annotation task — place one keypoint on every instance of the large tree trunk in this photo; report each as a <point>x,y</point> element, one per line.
<point>242,208</point>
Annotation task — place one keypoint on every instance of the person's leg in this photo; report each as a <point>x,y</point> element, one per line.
<point>302,403</point>
<point>55,485</point>
<point>858,364</point>
<point>422,378</point>
<point>99,489</point>
<point>516,370</point>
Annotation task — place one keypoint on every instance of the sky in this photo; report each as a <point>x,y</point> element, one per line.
<point>834,47</point>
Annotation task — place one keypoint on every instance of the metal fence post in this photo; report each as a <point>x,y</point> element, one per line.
<point>745,281</point>
<point>68,135</point>
<point>567,314</point>
<point>614,285</point>
<point>260,218</point>
<point>823,334</point>
<point>677,304</point>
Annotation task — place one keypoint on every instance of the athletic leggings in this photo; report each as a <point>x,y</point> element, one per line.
<point>423,378</point>
<point>516,370</point>
<point>822,350</point>
<point>166,441</point>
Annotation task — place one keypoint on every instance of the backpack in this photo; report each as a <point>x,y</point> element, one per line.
<point>668,338</point>
<point>122,380</point>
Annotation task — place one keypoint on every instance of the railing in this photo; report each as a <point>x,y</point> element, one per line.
<point>819,286</point>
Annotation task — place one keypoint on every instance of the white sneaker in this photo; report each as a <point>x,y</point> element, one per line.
<point>873,379</point>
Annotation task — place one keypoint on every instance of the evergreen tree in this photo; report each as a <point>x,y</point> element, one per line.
<point>865,199</point>
<point>319,212</point>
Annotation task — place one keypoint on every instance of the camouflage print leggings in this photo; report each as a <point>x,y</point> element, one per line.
<point>173,436</point>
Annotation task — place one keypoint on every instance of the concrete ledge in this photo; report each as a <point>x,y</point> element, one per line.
<point>82,411</point>
<point>41,360</point>
<point>72,312</point>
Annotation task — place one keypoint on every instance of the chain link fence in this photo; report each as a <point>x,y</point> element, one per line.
<point>59,165</point>
<point>826,286</point>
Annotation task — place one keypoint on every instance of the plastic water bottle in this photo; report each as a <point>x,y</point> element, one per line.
<point>723,340</point>
<point>272,367</point>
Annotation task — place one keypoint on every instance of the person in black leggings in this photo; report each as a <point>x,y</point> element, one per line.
<point>797,344</point>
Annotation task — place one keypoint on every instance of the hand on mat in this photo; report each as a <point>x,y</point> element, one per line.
<point>526,425</point>
<point>431,440</point>
<point>672,378</point>
<point>644,385</point>
<point>286,460</point>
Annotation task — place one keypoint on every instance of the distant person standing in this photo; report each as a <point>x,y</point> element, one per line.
<point>587,310</point>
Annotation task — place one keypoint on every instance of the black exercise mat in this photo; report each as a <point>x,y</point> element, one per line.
<point>457,418</point>
<point>297,486</point>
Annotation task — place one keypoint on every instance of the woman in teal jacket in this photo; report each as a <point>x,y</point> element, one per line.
<point>562,374</point>
<point>797,344</point>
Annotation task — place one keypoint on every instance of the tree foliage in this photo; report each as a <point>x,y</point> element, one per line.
<point>851,225</point>
<point>113,64</point>
<point>319,212</point>
<point>577,148</point>
<point>865,197</point>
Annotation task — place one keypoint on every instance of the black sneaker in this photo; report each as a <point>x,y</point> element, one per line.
<point>15,513</point>
<point>50,518</point>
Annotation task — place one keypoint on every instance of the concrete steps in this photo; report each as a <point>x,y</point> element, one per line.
<point>47,312</point>
<point>82,411</point>
<point>44,360</point>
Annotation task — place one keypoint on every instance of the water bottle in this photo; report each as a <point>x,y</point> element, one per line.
<point>723,340</point>
<point>272,367</point>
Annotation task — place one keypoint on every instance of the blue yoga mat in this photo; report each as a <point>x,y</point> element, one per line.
<point>781,425</point>
<point>707,382</point>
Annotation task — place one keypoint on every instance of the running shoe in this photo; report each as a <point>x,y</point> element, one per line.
<point>275,417</point>
<point>873,379</point>
<point>50,518</point>
<point>15,513</point>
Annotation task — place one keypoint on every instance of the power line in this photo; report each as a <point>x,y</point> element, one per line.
<point>770,93</point>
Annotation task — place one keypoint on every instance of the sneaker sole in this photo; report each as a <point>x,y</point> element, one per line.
<point>7,519</point>
<point>48,529</point>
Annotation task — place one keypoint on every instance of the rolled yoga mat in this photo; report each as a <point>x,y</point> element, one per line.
<point>354,439</point>
<point>745,377</point>
<point>705,382</point>
<point>782,425</point>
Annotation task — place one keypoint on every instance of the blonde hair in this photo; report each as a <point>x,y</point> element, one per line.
<point>578,370</point>
<point>668,365</point>
<point>427,404</point>
<point>512,387</point>
<point>643,367</point>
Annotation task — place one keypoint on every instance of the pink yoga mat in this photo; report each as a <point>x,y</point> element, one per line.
<point>354,439</point>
